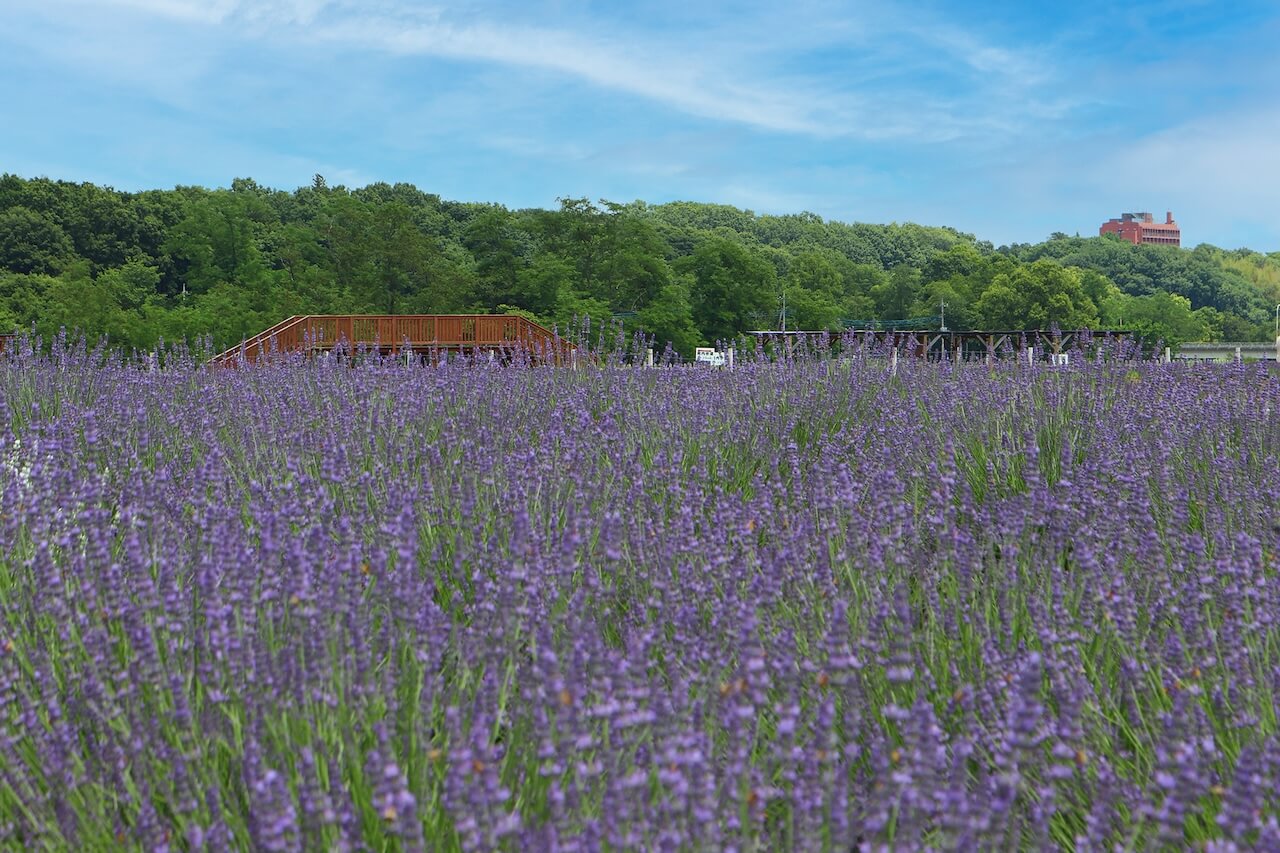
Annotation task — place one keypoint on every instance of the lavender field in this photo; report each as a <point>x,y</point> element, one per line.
<point>814,606</point>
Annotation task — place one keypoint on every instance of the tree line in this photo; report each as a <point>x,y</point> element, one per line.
<point>191,262</point>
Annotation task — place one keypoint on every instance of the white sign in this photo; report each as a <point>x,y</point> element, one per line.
<point>709,356</point>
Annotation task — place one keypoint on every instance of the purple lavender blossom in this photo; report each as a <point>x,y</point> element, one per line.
<point>818,604</point>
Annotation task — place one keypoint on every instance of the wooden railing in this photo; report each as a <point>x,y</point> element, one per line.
<point>390,332</point>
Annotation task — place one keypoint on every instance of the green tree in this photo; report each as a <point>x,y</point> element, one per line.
<point>814,286</point>
<point>539,285</point>
<point>734,288</point>
<point>1037,296</point>
<point>130,286</point>
<point>118,304</point>
<point>1163,317</point>
<point>31,242</point>
<point>404,259</point>
<point>632,268</point>
<point>958,262</point>
<point>77,303</point>
<point>895,297</point>
<point>23,300</point>
<point>501,251</point>
<point>577,310</point>
<point>215,242</point>
<point>959,312</point>
<point>669,318</point>
<point>103,224</point>
<point>860,281</point>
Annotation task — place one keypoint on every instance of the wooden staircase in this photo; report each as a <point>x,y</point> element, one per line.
<point>430,334</point>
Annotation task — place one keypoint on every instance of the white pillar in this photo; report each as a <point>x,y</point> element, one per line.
<point>648,357</point>
<point>1237,355</point>
<point>1168,355</point>
<point>1031,355</point>
<point>729,358</point>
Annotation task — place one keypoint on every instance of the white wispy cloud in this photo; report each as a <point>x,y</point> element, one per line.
<point>686,85</point>
<point>748,70</point>
<point>300,12</point>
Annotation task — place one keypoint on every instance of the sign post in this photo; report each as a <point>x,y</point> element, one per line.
<point>709,355</point>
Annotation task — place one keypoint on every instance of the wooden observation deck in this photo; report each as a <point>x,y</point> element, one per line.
<point>425,334</point>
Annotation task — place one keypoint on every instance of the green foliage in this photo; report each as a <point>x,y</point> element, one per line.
<point>669,318</point>
<point>74,300</point>
<point>815,288</point>
<point>1038,296</point>
<point>191,262</point>
<point>735,288</point>
<point>22,299</point>
<point>31,242</point>
<point>1163,317</point>
<point>573,305</point>
<point>1199,274</point>
<point>1262,271</point>
<point>540,284</point>
<point>895,296</point>
<point>501,251</point>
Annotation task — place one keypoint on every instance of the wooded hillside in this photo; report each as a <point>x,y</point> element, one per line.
<point>228,263</point>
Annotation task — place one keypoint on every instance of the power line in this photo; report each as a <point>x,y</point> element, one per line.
<point>908,323</point>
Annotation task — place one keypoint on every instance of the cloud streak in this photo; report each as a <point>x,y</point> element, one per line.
<point>728,73</point>
<point>603,62</point>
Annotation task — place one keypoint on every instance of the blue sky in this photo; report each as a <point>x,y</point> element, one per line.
<point>1006,120</point>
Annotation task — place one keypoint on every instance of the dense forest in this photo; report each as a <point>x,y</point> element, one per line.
<point>190,262</point>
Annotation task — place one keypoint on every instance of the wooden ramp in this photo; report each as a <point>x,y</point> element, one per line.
<point>426,334</point>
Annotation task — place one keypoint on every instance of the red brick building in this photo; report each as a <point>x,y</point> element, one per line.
<point>1139,228</point>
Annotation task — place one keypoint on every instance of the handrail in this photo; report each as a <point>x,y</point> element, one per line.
<point>256,342</point>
